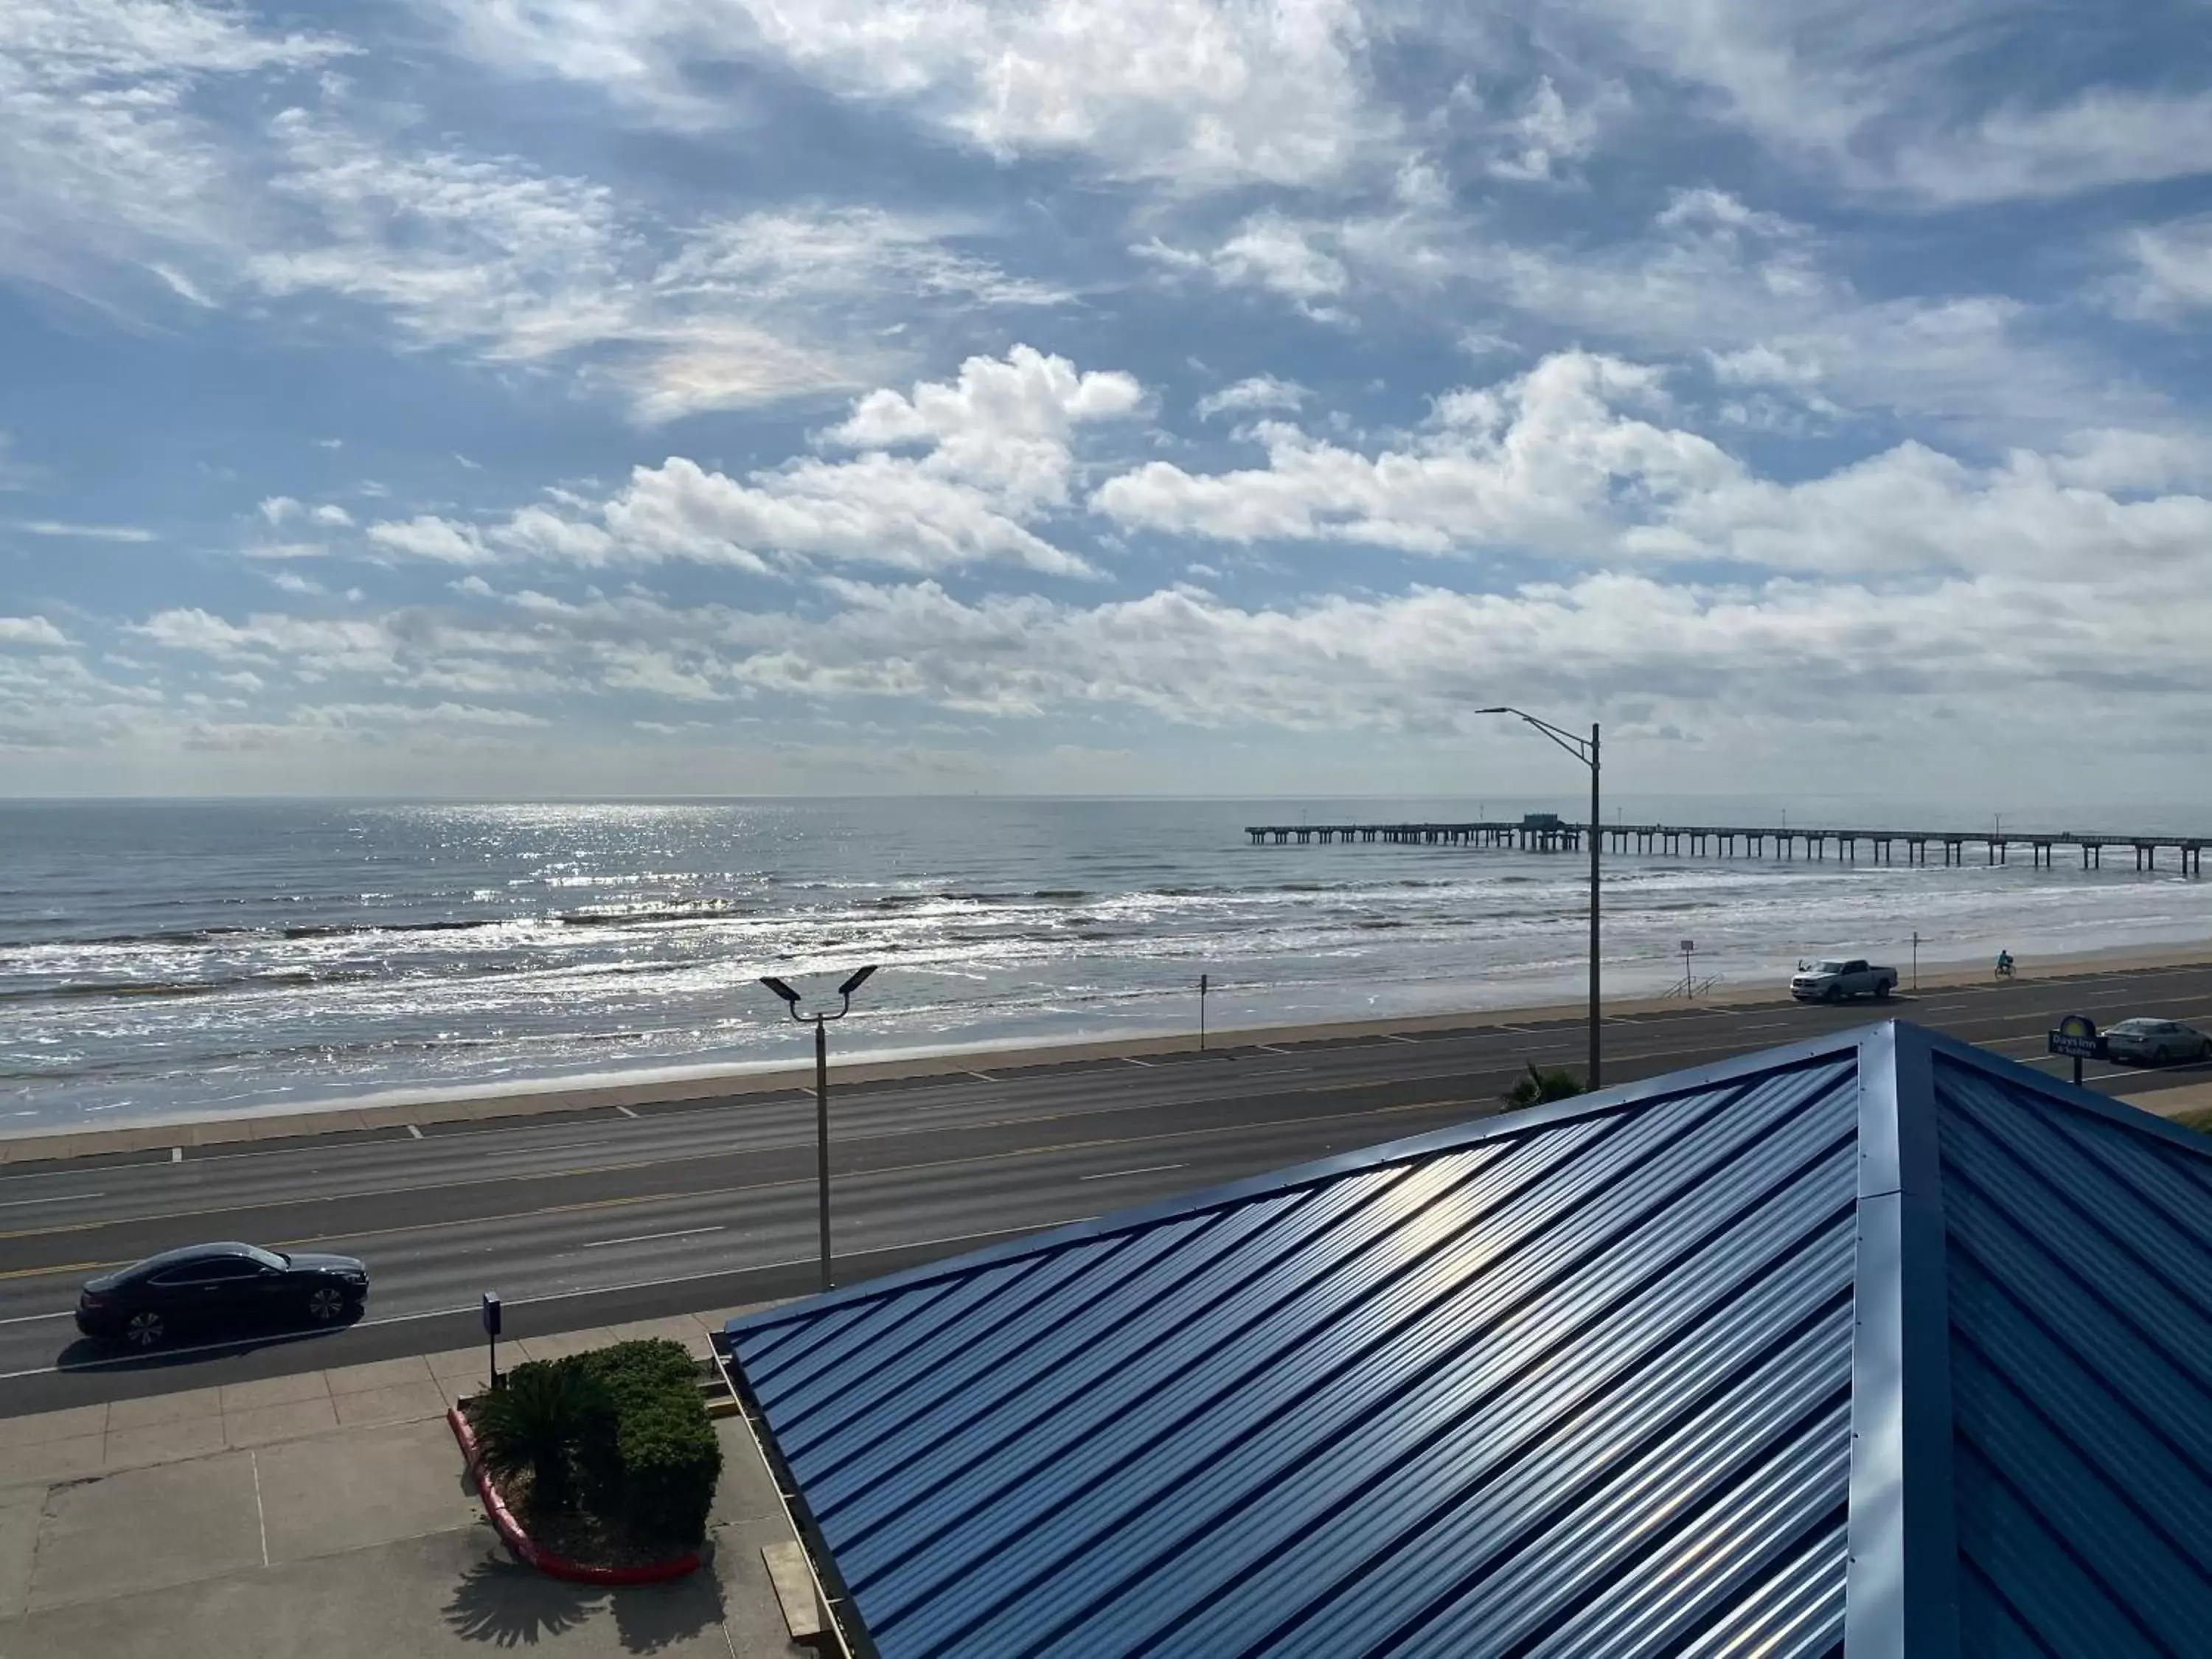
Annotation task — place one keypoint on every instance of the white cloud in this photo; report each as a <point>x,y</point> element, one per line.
<point>1547,139</point>
<point>331,513</point>
<point>1550,464</point>
<point>994,453</point>
<point>85,532</point>
<point>1259,391</point>
<point>429,537</point>
<point>2172,270</point>
<point>31,630</point>
<point>1196,92</point>
<point>1881,93</point>
<point>1267,251</point>
<point>2103,137</point>
<point>1716,278</point>
<point>106,153</point>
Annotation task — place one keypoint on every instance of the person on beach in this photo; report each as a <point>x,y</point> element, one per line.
<point>2004,964</point>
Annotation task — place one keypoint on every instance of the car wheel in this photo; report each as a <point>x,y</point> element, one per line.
<point>325,1304</point>
<point>1881,991</point>
<point>145,1329</point>
<point>1833,994</point>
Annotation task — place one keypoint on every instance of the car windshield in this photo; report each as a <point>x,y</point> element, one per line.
<point>2134,1028</point>
<point>1828,968</point>
<point>267,1258</point>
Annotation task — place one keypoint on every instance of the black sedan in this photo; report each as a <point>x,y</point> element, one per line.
<point>209,1287</point>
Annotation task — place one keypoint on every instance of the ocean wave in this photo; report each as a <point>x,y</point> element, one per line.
<point>646,910</point>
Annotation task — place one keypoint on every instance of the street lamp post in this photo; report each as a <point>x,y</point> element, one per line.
<point>819,1021</point>
<point>1584,749</point>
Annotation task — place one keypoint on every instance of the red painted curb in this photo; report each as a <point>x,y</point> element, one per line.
<point>552,1565</point>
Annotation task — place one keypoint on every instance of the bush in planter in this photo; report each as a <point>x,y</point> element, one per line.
<point>1539,1087</point>
<point>539,1421</point>
<point>647,1451</point>
<point>670,1461</point>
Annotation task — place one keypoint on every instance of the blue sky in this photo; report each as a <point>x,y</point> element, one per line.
<point>541,396</point>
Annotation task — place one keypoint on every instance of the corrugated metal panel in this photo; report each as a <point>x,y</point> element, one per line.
<point>1570,1387</point>
<point>2080,1284</point>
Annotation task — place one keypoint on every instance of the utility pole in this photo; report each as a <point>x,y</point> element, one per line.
<point>1584,749</point>
<point>820,1023</point>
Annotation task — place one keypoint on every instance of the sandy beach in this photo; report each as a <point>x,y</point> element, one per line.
<point>618,1090</point>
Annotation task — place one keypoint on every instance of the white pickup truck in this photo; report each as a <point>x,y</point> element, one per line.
<point>1834,981</point>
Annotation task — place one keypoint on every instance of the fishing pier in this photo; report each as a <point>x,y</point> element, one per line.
<point>1542,832</point>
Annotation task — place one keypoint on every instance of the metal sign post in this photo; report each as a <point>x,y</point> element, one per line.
<point>1689,986</point>
<point>1916,958</point>
<point>1202,1013</point>
<point>2075,1036</point>
<point>491,1331</point>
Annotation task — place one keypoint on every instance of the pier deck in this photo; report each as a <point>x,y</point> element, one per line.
<point>1752,841</point>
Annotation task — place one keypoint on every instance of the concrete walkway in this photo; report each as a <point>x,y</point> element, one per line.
<point>328,1513</point>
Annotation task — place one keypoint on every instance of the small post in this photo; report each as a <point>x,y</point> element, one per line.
<point>491,1333</point>
<point>1916,958</point>
<point>1202,1013</point>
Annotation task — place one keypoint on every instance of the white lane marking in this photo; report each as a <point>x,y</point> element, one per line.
<point>564,1296</point>
<point>1134,1061</point>
<point>176,1155</point>
<point>1270,1048</point>
<point>983,1076</point>
<point>625,1111</point>
<point>259,1513</point>
<point>27,1319</point>
<point>1118,1174</point>
<point>648,1238</point>
<point>60,1198</point>
<point>1391,1037</point>
<point>413,1132</point>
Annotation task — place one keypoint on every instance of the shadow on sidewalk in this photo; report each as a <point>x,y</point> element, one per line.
<point>510,1606</point>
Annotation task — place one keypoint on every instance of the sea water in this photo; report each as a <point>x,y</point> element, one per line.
<point>180,956</point>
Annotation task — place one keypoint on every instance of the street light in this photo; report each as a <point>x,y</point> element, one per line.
<point>1585,750</point>
<point>820,1085</point>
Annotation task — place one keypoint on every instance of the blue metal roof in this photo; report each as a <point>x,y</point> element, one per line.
<point>1875,1346</point>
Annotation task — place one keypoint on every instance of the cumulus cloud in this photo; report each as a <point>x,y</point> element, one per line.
<point>429,537</point>
<point>1563,462</point>
<point>948,474</point>
<point>1268,250</point>
<point>31,630</point>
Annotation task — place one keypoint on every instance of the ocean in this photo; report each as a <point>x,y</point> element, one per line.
<point>171,958</point>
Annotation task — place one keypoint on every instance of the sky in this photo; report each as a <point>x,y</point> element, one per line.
<point>518,397</point>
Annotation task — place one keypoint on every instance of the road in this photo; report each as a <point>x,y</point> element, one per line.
<point>585,1218</point>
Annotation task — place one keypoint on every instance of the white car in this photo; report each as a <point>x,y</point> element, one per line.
<point>2156,1042</point>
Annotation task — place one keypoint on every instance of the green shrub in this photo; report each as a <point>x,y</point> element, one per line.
<point>634,1372</point>
<point>643,1445</point>
<point>1555,1084</point>
<point>539,1421</point>
<point>670,1461</point>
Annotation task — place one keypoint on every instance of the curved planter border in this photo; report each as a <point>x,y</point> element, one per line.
<point>533,1554</point>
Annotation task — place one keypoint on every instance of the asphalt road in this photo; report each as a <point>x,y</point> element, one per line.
<point>589,1217</point>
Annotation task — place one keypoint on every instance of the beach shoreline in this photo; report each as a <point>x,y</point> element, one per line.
<point>541,1096</point>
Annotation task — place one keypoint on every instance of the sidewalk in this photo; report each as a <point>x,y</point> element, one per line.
<point>329,1514</point>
